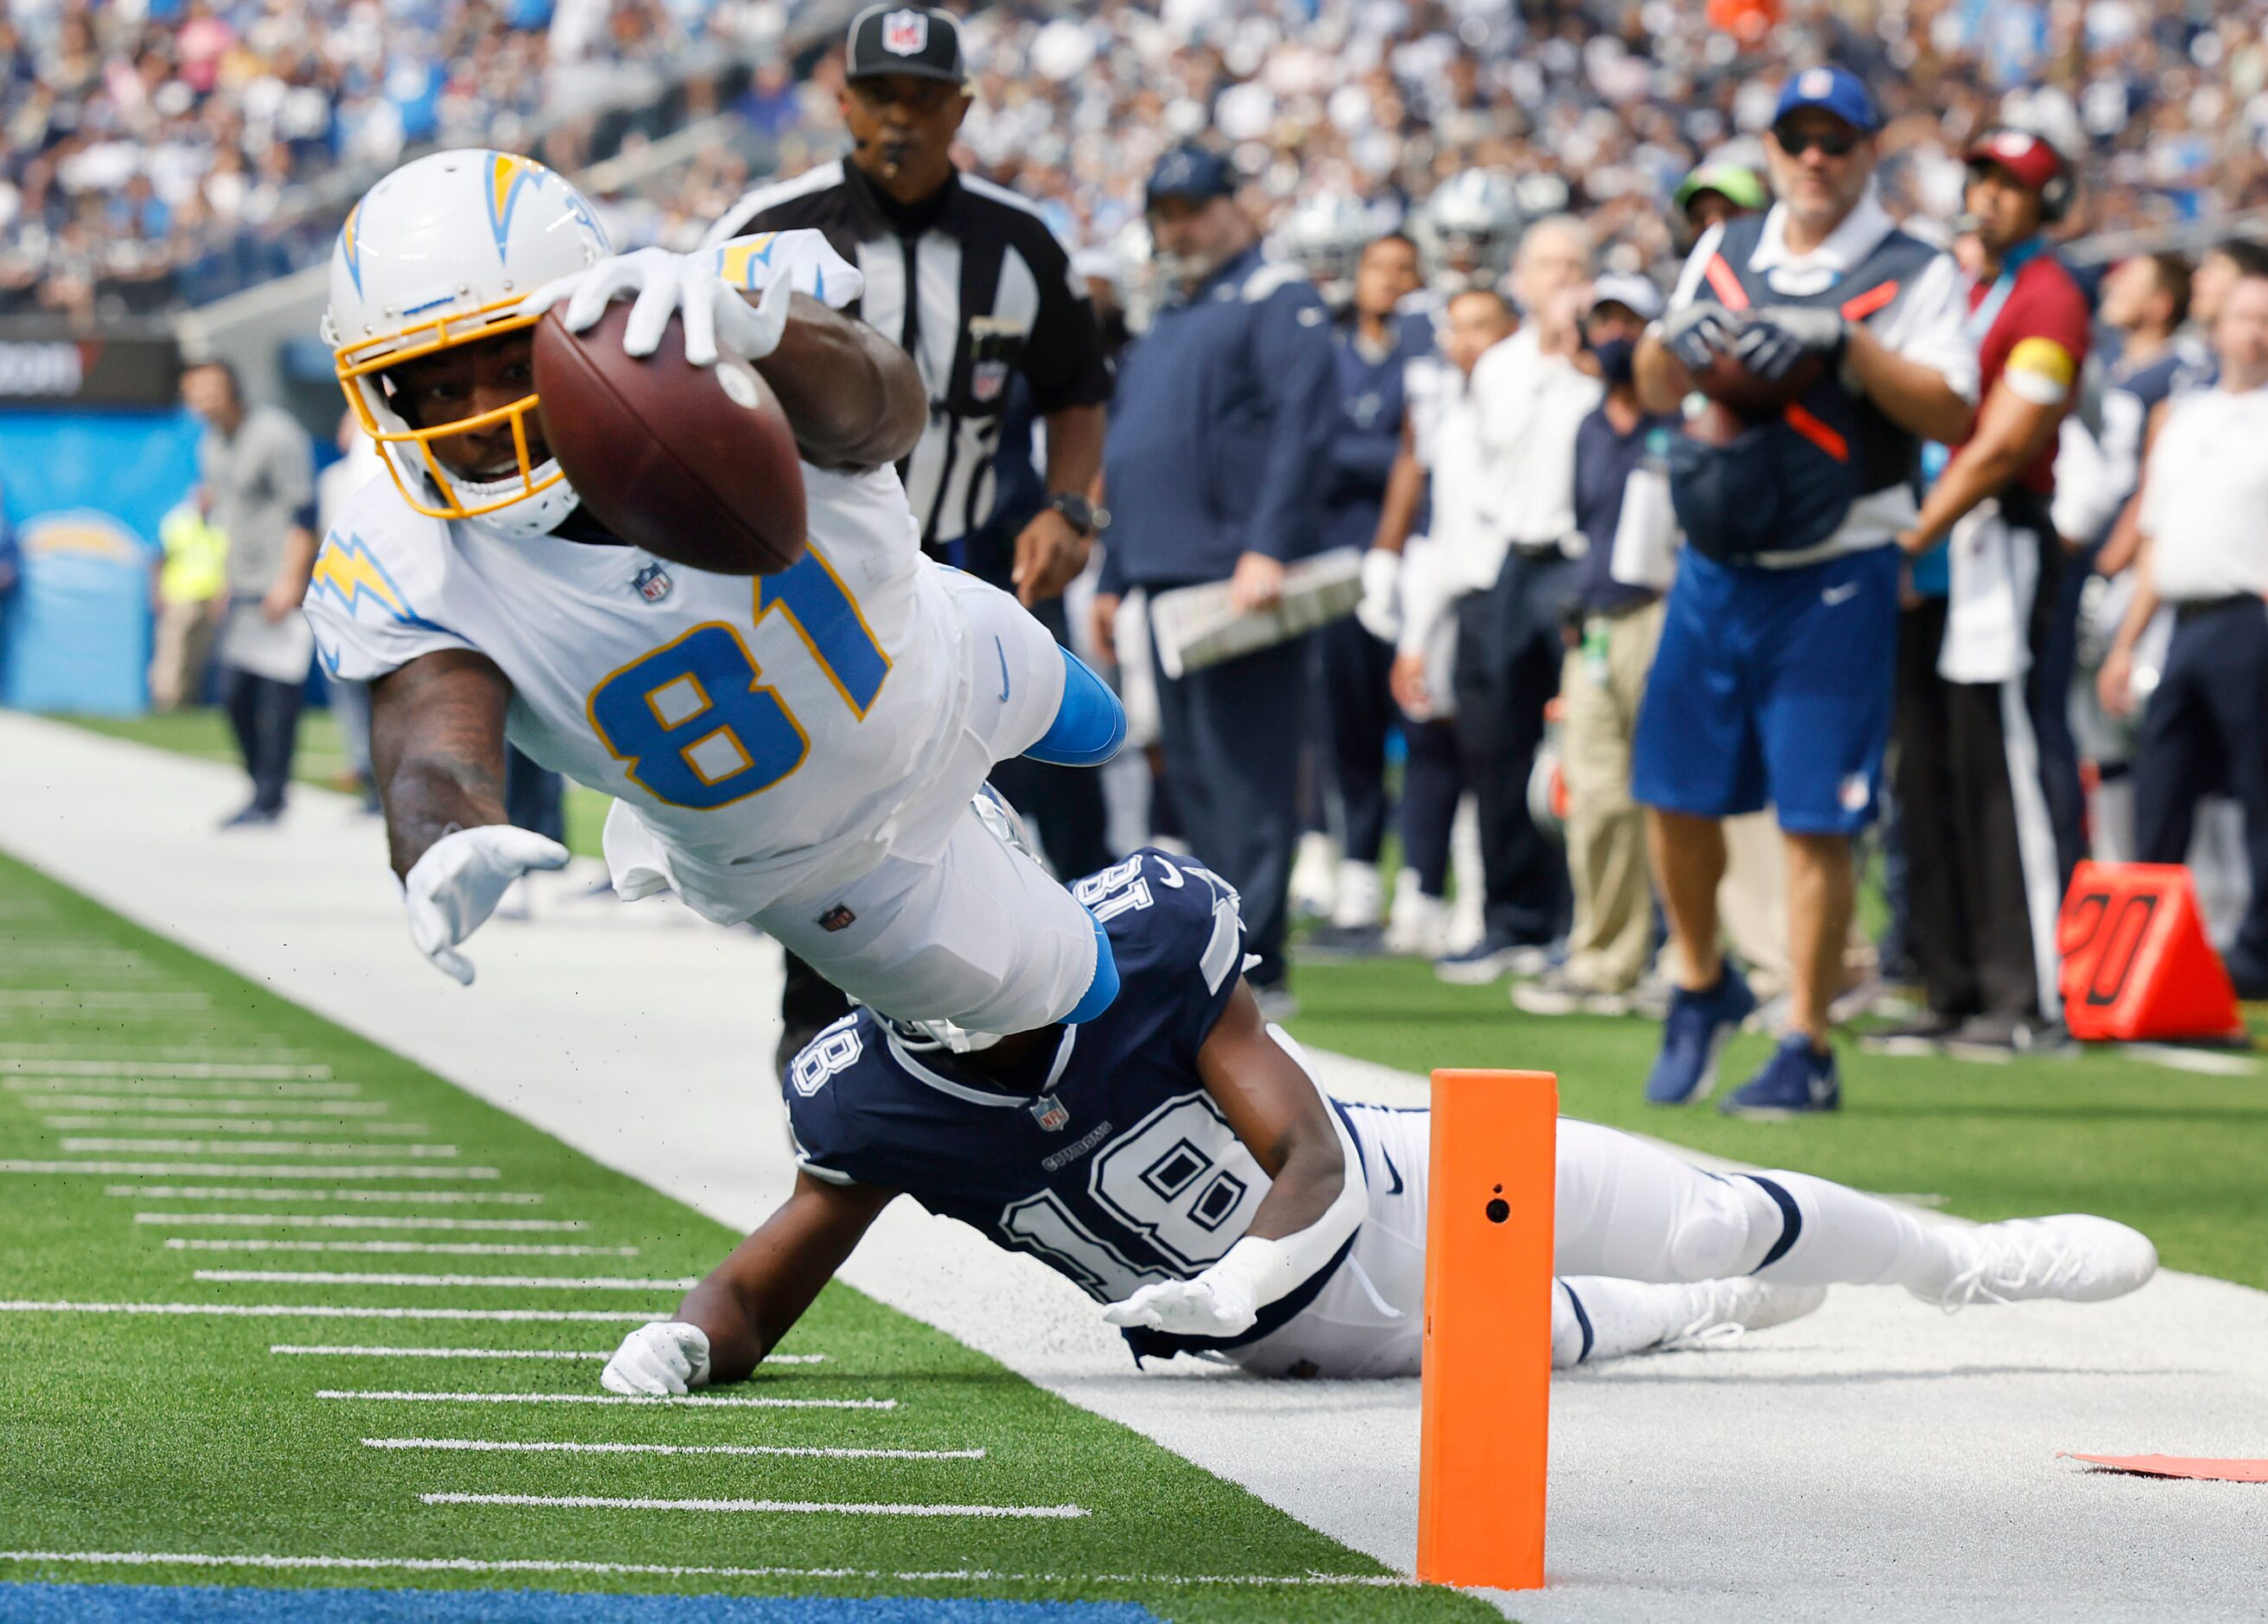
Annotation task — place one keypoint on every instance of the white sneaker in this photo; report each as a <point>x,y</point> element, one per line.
<point>2072,1258</point>
<point>1724,1310</point>
<point>1361,896</point>
<point>1418,925</point>
<point>1315,877</point>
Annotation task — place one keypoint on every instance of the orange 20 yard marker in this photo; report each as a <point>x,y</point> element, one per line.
<point>1487,1394</point>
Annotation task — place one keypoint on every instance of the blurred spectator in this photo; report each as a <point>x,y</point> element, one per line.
<point>189,596</point>
<point>2204,552</point>
<point>358,464</point>
<point>1518,577</point>
<point>259,469</point>
<point>1629,555</point>
<point>1984,752</point>
<point>1224,412</point>
<point>1772,679</point>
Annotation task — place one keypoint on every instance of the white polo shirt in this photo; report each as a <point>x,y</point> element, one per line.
<point>2204,501</point>
<point>1504,463</point>
<point>1927,322</point>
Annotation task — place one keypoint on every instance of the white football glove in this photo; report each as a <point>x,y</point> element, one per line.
<point>1380,608</point>
<point>664,1357</point>
<point>1217,1303</point>
<point>662,282</point>
<point>456,885</point>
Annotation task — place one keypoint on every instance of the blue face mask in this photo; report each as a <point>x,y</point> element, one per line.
<point>1616,356</point>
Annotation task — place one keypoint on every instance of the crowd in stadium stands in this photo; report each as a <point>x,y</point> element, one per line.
<point>138,135</point>
<point>136,138</point>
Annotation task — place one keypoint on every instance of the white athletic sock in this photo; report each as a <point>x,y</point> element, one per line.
<point>1836,1236</point>
<point>1594,1318</point>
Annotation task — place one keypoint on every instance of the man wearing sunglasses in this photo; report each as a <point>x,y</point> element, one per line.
<point>1772,682</point>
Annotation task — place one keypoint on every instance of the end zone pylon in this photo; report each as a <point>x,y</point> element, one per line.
<point>1487,1392</point>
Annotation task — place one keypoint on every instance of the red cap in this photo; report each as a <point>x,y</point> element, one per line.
<point>2032,160</point>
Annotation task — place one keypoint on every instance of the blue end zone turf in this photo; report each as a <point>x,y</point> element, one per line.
<point>167,1603</point>
<point>1104,987</point>
<point>1090,725</point>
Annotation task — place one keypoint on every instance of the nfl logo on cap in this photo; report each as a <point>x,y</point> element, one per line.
<point>905,33</point>
<point>1816,85</point>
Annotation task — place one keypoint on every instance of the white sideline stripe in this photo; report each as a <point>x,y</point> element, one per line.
<point>223,1193</point>
<point>186,1089</point>
<point>226,1105</point>
<point>358,1221</point>
<point>845,1508</point>
<point>829,1451</point>
<point>442,1248</point>
<point>231,1170</point>
<point>685,1400</point>
<point>259,1147</point>
<point>2205,1063</point>
<point>478,1564</point>
<point>495,1353</point>
<point>229,1065</point>
<point>523,1282</point>
<point>338,1310</point>
<point>70,998</point>
<point>269,1126</point>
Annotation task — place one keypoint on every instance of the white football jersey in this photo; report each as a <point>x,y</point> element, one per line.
<point>766,732</point>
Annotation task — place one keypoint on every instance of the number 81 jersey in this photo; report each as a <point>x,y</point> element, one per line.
<point>760,732</point>
<point>1109,1162</point>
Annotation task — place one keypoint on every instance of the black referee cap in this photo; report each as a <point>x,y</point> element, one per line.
<point>917,41</point>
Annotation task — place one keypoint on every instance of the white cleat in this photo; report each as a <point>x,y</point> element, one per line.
<point>1723,1310</point>
<point>1418,925</point>
<point>2072,1258</point>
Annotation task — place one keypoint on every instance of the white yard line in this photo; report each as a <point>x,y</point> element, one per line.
<point>421,1248</point>
<point>693,1400</point>
<point>213,1106</point>
<point>2205,1063</point>
<point>503,1565</point>
<point>83,1144</point>
<point>519,1282</point>
<point>226,1193</point>
<point>44,999</point>
<point>823,1452</point>
<point>359,1221</point>
<point>342,1310</point>
<point>834,1508</point>
<point>230,1125</point>
<point>224,1170</point>
<point>493,1353</point>
<point>180,1063</point>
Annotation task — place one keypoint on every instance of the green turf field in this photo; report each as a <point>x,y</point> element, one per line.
<point>206,1127</point>
<point>2182,1157</point>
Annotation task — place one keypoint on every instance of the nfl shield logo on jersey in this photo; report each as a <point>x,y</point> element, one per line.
<point>905,33</point>
<point>653,583</point>
<point>987,378</point>
<point>1050,1112</point>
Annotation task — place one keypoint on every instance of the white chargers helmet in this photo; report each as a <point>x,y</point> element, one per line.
<point>1325,236</point>
<point>440,254</point>
<point>1469,228</point>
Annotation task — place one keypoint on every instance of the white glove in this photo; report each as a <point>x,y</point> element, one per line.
<point>457,884</point>
<point>1380,608</point>
<point>664,1357</point>
<point>715,312</point>
<point>1217,1303</point>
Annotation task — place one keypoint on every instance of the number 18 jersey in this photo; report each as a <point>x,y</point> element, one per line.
<point>761,735</point>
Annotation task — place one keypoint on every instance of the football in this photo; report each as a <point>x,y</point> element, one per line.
<point>695,465</point>
<point>1739,398</point>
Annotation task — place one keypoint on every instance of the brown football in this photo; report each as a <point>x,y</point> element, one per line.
<point>696,465</point>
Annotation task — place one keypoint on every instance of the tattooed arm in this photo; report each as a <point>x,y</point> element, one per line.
<point>437,748</point>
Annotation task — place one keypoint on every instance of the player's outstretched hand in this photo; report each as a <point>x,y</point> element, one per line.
<point>1698,334</point>
<point>665,1357</point>
<point>662,284</point>
<point>1215,1304</point>
<point>456,885</point>
<point>1779,336</point>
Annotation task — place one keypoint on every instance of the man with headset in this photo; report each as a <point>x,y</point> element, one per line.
<point>1984,757</point>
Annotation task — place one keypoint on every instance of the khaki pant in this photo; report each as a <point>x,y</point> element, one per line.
<point>180,644</point>
<point>1606,829</point>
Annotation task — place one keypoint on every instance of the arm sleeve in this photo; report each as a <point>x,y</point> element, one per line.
<point>1931,325</point>
<point>1064,362</point>
<point>362,606</point>
<point>1291,355</point>
<point>809,262</point>
<point>2050,342</point>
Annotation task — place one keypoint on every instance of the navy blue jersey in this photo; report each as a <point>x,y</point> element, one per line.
<point>1110,1162</point>
<point>1372,399</point>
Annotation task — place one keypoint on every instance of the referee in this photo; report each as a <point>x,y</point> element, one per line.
<point>968,279</point>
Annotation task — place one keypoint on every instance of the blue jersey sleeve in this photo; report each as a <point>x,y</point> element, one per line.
<point>1177,932</point>
<point>822,1115</point>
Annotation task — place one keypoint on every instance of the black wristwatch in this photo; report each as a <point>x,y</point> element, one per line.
<point>1085,516</point>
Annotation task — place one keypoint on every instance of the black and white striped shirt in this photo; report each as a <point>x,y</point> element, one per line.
<point>975,286</point>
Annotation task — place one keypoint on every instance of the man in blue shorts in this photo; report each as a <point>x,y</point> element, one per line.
<point>1772,683</point>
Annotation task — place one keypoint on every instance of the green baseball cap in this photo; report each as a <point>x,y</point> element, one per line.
<point>1742,184</point>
